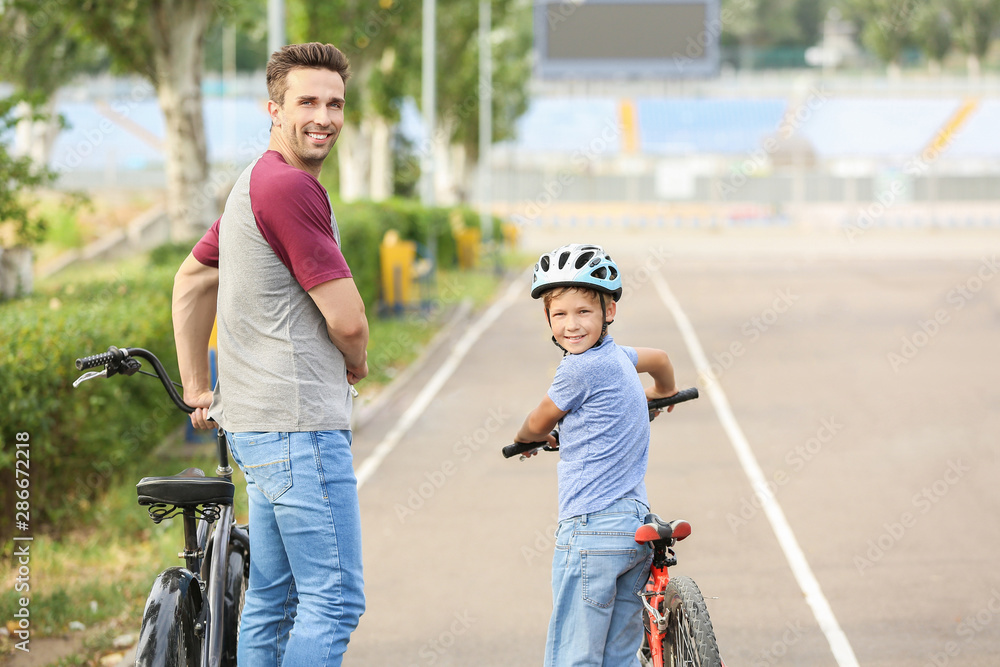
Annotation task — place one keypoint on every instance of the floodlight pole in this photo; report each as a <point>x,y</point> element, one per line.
<point>485,119</point>
<point>275,25</point>
<point>428,97</point>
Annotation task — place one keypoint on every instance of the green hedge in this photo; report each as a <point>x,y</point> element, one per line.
<point>362,226</point>
<point>81,439</point>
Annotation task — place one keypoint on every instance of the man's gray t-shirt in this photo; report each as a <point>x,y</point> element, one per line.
<point>276,239</point>
<point>604,437</point>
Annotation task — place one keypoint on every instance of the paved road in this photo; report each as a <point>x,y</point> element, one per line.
<point>862,376</point>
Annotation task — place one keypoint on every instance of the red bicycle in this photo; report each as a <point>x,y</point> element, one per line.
<point>677,630</point>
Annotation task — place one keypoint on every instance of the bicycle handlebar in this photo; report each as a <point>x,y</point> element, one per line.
<point>653,404</point>
<point>688,394</point>
<point>96,360</point>
<point>122,360</point>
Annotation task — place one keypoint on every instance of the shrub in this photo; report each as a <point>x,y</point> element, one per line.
<point>79,439</point>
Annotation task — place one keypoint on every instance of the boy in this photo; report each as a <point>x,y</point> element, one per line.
<point>597,568</point>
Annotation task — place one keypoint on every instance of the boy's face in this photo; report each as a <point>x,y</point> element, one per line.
<point>576,319</point>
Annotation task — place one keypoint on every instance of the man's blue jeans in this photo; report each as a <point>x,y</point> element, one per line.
<point>306,592</point>
<point>597,569</point>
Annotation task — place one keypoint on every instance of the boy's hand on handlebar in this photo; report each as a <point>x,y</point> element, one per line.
<point>200,401</point>
<point>552,444</point>
<point>655,392</point>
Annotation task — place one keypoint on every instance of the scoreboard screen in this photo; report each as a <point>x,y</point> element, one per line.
<point>627,39</point>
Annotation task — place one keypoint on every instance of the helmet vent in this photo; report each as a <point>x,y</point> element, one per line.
<point>563,258</point>
<point>601,273</point>
<point>544,262</point>
<point>582,260</point>
<point>613,271</point>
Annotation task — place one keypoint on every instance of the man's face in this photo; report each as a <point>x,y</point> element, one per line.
<point>311,115</point>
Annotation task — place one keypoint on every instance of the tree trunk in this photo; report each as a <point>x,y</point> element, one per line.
<point>444,168</point>
<point>354,156</point>
<point>972,66</point>
<point>381,159</point>
<point>16,276</point>
<point>178,29</point>
<point>35,138</point>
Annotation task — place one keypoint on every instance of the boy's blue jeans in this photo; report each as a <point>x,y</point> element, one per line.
<point>306,592</point>
<point>597,569</point>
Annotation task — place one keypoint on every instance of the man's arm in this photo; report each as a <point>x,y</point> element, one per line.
<point>346,323</point>
<point>196,290</point>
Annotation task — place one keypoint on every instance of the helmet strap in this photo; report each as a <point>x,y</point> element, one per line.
<point>604,321</point>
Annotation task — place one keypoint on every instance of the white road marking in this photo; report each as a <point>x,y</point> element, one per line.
<point>430,390</point>
<point>841,648</point>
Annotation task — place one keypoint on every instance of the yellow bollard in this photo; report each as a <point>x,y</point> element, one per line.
<point>467,240</point>
<point>511,232</point>
<point>397,260</point>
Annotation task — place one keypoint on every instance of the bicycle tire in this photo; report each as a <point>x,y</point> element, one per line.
<point>168,637</point>
<point>690,638</point>
<point>237,576</point>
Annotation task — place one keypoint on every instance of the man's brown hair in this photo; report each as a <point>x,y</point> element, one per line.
<point>311,56</point>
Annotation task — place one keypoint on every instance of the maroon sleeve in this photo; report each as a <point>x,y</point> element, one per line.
<point>293,214</point>
<point>206,250</point>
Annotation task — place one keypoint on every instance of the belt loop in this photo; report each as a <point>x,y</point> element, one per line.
<point>583,519</point>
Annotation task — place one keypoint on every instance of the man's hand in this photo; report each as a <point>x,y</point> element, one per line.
<point>200,401</point>
<point>355,375</point>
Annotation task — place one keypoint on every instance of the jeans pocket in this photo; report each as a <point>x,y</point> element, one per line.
<point>600,569</point>
<point>263,457</point>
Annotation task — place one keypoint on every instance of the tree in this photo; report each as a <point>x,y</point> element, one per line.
<point>933,27</point>
<point>976,22</point>
<point>369,35</point>
<point>163,41</point>
<point>766,23</point>
<point>886,27</point>
<point>20,226</point>
<point>459,93</point>
<point>383,44</point>
<point>44,49</point>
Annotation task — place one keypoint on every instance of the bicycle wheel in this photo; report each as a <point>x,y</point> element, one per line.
<point>690,639</point>
<point>237,574</point>
<point>168,637</point>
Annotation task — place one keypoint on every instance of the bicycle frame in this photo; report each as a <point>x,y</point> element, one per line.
<point>652,600</point>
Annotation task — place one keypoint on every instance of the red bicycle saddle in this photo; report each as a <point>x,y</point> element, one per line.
<point>654,528</point>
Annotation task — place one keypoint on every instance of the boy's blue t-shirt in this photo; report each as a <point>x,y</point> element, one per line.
<point>604,438</point>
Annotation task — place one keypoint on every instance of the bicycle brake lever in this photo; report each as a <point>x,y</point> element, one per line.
<point>90,375</point>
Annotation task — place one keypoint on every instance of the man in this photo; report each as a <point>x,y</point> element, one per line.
<point>292,338</point>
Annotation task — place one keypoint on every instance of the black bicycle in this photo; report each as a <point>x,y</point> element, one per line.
<point>192,615</point>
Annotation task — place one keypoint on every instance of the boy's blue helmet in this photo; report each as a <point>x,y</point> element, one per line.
<point>577,265</point>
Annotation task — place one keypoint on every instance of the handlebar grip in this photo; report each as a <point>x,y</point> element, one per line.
<point>521,448</point>
<point>679,397</point>
<point>95,360</point>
